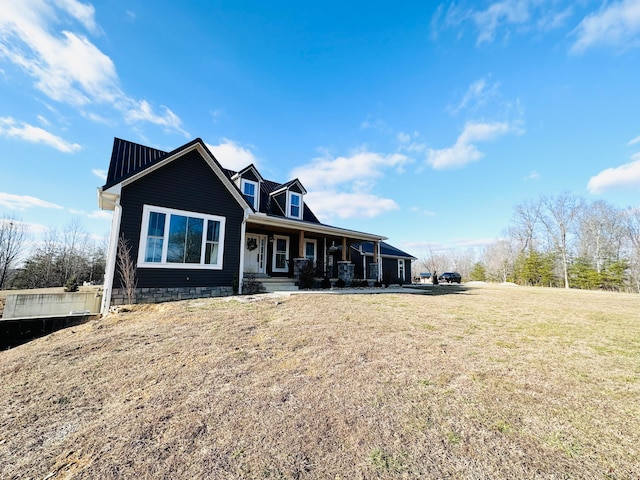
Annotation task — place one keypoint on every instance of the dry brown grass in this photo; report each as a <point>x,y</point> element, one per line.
<point>492,382</point>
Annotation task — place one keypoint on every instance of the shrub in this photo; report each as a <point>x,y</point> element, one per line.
<point>387,279</point>
<point>71,285</point>
<point>340,283</point>
<point>308,273</point>
<point>326,283</point>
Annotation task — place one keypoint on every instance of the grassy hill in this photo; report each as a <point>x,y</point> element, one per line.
<point>478,382</point>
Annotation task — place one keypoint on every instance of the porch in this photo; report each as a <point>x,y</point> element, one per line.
<point>284,248</point>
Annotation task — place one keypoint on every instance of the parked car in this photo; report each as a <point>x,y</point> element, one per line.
<point>450,277</point>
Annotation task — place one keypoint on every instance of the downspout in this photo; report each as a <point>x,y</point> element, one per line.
<point>243,239</point>
<point>110,267</point>
<point>379,263</point>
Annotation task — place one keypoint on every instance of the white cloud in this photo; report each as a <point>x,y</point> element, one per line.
<point>634,141</point>
<point>616,25</point>
<point>22,202</point>
<point>423,212</point>
<point>403,137</point>
<point>100,214</point>
<point>101,174</point>
<point>361,166</point>
<point>330,204</point>
<point>84,13</point>
<point>142,111</point>
<point>477,94</point>
<point>500,14</point>
<point>23,131</point>
<point>65,64</point>
<point>464,150</point>
<point>624,176</point>
<point>532,175</point>
<point>232,155</point>
<point>502,18</point>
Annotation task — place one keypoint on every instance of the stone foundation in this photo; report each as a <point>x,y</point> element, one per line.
<point>345,271</point>
<point>373,271</point>
<point>298,265</point>
<point>159,295</point>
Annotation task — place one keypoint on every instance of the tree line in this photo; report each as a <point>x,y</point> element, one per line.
<point>557,241</point>
<point>58,258</point>
<point>554,241</point>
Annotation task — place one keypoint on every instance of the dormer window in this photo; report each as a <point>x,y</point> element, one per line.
<point>251,192</point>
<point>295,205</point>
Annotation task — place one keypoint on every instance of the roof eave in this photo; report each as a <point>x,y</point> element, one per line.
<point>108,199</point>
<point>267,220</point>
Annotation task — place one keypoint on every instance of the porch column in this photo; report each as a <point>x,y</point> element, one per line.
<point>374,267</point>
<point>344,249</point>
<point>301,246</point>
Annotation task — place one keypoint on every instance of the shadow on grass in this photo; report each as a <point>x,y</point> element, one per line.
<point>440,289</point>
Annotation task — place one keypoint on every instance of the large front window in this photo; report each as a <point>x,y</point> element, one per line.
<point>177,239</point>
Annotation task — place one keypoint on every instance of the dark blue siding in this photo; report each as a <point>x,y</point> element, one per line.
<point>189,184</point>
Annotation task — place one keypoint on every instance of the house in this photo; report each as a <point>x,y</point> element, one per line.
<point>395,264</point>
<point>196,229</point>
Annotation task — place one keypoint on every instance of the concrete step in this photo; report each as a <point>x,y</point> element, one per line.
<point>277,284</point>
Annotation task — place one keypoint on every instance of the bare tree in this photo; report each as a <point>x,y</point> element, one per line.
<point>525,224</point>
<point>126,269</point>
<point>500,257</point>
<point>601,234</point>
<point>559,215</point>
<point>13,237</point>
<point>632,226</point>
<point>463,261</point>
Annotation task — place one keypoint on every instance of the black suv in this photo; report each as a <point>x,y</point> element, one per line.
<point>450,277</point>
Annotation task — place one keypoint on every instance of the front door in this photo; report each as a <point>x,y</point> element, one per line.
<point>254,253</point>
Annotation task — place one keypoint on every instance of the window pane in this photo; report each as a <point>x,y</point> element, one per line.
<point>211,254</point>
<point>177,238</point>
<point>154,250</point>
<point>249,190</point>
<point>193,247</point>
<point>295,205</point>
<point>156,224</point>
<point>281,260</point>
<point>310,250</point>
<point>213,231</point>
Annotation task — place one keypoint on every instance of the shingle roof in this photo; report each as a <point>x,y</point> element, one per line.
<point>385,249</point>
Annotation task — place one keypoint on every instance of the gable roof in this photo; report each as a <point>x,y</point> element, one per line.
<point>129,158</point>
<point>249,168</point>
<point>130,161</point>
<point>385,250</point>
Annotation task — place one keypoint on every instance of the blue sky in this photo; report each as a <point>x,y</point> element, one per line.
<point>425,122</point>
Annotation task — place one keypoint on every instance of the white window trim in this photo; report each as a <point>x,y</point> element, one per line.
<point>256,199</point>
<point>401,272</point>
<point>273,262</point>
<point>289,195</point>
<point>146,211</point>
